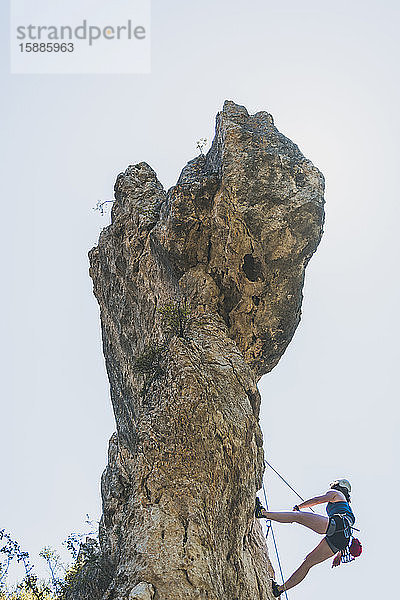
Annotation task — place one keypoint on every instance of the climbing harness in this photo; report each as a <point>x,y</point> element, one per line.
<point>338,533</point>
<point>346,524</point>
<point>352,550</point>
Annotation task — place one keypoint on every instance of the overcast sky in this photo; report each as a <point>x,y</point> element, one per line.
<point>328,73</point>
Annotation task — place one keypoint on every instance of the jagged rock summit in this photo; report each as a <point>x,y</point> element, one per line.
<point>200,291</point>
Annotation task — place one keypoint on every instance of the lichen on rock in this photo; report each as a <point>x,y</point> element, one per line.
<point>224,250</point>
<point>142,591</point>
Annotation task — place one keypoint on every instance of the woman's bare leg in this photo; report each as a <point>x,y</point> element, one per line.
<point>319,554</point>
<point>317,523</point>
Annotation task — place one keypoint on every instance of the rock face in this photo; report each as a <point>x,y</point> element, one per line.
<point>200,290</point>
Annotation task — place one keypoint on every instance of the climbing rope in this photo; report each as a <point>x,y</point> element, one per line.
<point>269,527</point>
<point>288,484</point>
<point>346,556</point>
<point>269,524</point>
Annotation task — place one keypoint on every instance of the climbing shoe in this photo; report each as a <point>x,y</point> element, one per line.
<point>259,509</point>
<point>275,590</point>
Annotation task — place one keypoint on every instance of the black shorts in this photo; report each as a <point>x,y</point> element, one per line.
<point>338,533</point>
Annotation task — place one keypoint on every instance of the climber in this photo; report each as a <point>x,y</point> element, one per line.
<point>336,527</point>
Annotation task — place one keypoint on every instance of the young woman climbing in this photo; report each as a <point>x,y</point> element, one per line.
<point>336,527</point>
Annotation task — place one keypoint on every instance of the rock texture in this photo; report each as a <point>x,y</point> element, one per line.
<point>200,290</point>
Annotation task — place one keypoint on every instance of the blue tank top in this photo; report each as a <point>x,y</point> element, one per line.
<point>333,508</point>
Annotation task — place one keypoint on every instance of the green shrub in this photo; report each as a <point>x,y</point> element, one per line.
<point>175,318</point>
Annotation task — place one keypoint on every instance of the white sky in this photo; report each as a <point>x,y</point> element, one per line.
<point>328,73</point>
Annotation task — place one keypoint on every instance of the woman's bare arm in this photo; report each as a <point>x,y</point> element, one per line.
<point>330,496</point>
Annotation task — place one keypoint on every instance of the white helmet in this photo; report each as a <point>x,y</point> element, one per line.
<point>344,483</point>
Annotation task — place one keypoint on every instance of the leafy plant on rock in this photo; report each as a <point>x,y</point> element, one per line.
<point>175,318</point>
